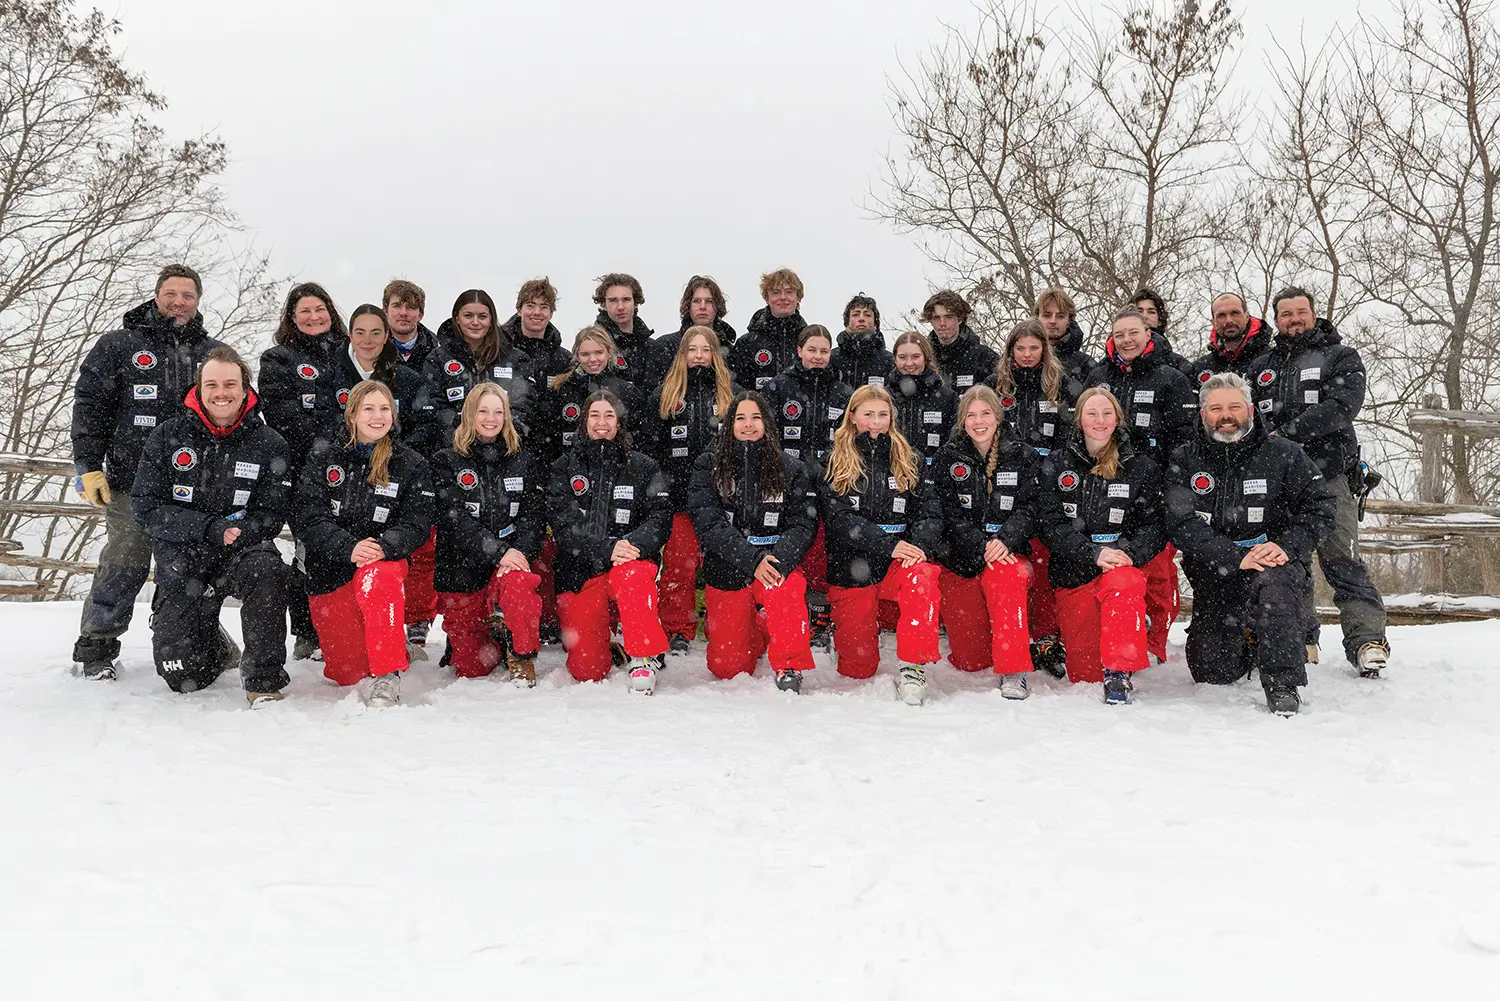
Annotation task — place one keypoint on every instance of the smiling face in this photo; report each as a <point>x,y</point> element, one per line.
<point>1226,414</point>
<point>1131,337</point>
<point>311,316</point>
<point>473,321</point>
<point>980,424</point>
<point>602,421</point>
<point>221,390</point>
<point>177,299</point>
<point>1097,418</point>
<point>367,336</point>
<point>593,357</point>
<point>783,300</point>
<point>701,309</point>
<point>1026,352</point>
<point>374,419</point>
<point>489,416</point>
<point>909,359</point>
<point>1295,316</point>
<point>815,352</point>
<point>873,417</point>
<point>535,315</point>
<point>749,422</point>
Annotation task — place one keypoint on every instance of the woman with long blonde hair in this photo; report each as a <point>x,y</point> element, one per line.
<point>362,508</point>
<point>490,517</point>
<point>1102,521</point>
<point>595,367</point>
<point>682,418</point>
<point>881,522</point>
<point>925,406</point>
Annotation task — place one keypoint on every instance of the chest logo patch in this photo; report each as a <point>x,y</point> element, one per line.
<point>307,371</point>
<point>468,479</point>
<point>1202,483</point>
<point>580,484</point>
<point>959,471</point>
<point>184,459</point>
<point>1067,480</point>
<point>144,360</point>
<point>334,475</point>
<point>1266,377</point>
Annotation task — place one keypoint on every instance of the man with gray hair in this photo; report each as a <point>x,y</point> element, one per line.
<point>1247,511</point>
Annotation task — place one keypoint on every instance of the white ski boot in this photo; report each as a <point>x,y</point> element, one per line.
<point>911,688</point>
<point>259,700</point>
<point>1372,657</point>
<point>385,691</point>
<point>1014,686</point>
<point>642,675</point>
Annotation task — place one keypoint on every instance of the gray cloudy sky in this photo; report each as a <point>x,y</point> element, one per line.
<point>464,144</point>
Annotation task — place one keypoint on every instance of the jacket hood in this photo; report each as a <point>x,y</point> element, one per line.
<point>720,327</point>
<point>911,385</point>
<point>145,317</point>
<point>1321,335</point>
<point>247,415</point>
<point>551,337</point>
<point>1257,337</point>
<point>864,342</point>
<point>638,336</point>
<point>1070,342</point>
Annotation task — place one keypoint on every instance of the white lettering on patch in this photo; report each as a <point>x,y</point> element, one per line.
<point>1116,515</point>
<point>1255,515</point>
<point>380,515</point>
<point>241,498</point>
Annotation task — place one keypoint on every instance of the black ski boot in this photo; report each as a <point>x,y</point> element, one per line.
<point>1281,697</point>
<point>789,681</point>
<point>1117,688</point>
<point>1047,654</point>
<point>678,644</point>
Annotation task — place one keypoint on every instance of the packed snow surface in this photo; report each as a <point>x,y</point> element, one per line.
<point>728,841</point>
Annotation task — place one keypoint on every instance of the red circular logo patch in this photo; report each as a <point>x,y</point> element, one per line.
<point>343,397</point>
<point>468,479</point>
<point>570,412</point>
<point>579,484</point>
<point>307,371</point>
<point>792,409</point>
<point>1205,375</point>
<point>620,361</point>
<point>335,475</point>
<point>679,406</point>
<point>184,459</point>
<point>959,471</point>
<point>144,360</point>
<point>1265,378</point>
<point>1068,480</point>
<point>762,357</point>
<point>454,367</point>
<point>1202,483</point>
<point>1008,402</point>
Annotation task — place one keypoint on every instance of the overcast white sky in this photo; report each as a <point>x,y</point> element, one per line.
<point>464,144</point>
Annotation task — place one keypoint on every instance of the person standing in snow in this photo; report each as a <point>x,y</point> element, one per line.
<point>610,513</point>
<point>132,381</point>
<point>986,482</point>
<point>531,329</point>
<point>861,356</point>
<point>299,400</point>
<point>680,424</point>
<point>770,341</point>
<point>1309,387</point>
<point>1059,317</point>
<point>1248,510</point>
<point>925,407</point>
<point>405,303</point>
<point>881,522</point>
<point>362,506</point>
<point>755,509</point>
<point>620,298</point>
<point>703,305</point>
<point>212,492</point>
<point>473,348</point>
<point>1236,340</point>
<point>1100,509</point>
<point>490,516</point>
<point>962,358</point>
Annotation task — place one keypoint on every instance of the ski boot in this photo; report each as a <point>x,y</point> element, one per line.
<point>1281,697</point>
<point>912,686</point>
<point>678,644</point>
<point>1047,654</point>
<point>99,670</point>
<point>522,669</point>
<point>643,675</point>
<point>1117,688</point>
<point>259,700</point>
<point>789,681</point>
<point>385,691</point>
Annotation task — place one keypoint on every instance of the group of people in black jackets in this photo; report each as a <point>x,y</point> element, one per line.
<point>1030,504</point>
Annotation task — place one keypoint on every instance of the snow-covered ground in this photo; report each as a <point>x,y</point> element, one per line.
<point>727,841</point>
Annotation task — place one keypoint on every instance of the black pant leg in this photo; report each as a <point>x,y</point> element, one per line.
<point>261,580</point>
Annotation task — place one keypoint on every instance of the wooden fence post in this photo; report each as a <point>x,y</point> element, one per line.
<point>1431,490</point>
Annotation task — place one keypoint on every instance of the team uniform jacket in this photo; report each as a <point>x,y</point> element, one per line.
<point>422,346</point>
<point>861,359</point>
<point>1224,497</point>
<point>194,483</point>
<point>925,410</point>
<point>664,348</point>
<point>560,415</point>
<point>635,352</point>
<point>133,381</point>
<point>1082,512</point>
<point>676,441</point>
<point>1219,359</point>
<point>810,405</point>
<point>336,507</point>
<point>548,356</point>
<point>1309,389</point>
<point>1075,361</point>
<point>1160,405</point>
<point>861,528</point>
<point>966,362</point>
<point>414,413</point>
<point>487,502</point>
<point>597,494</point>
<point>451,372</point>
<point>768,347</point>
<point>737,532</point>
<point>973,516</point>
<point>299,389</point>
<point>1033,418</point>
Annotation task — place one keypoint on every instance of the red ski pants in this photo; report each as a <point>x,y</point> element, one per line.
<point>421,597</point>
<point>986,618</point>
<point>585,619</point>
<point>815,564</point>
<point>679,579</point>
<point>542,567</point>
<point>466,619</point>
<point>738,634</point>
<point>1041,606</point>
<point>856,631</point>
<point>1162,599</point>
<point>1104,624</point>
<point>362,626</point>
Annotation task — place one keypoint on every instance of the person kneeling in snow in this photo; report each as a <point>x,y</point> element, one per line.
<point>211,493</point>
<point>881,521</point>
<point>755,512</point>
<point>986,479</point>
<point>489,530</point>
<point>361,509</point>
<point>1248,510</point>
<point>611,515</point>
<point>1101,520</point>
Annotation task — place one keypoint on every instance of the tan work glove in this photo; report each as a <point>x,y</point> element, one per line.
<point>94,488</point>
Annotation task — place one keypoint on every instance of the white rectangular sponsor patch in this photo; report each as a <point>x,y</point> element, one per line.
<point>472,507</point>
<point>455,393</point>
<point>773,518</point>
<point>145,421</point>
<point>568,437</point>
<point>1204,515</point>
<point>963,381</point>
<point>1145,396</point>
<point>1119,489</point>
<point>933,441</point>
<point>679,453</point>
<point>389,490</point>
<point>932,417</point>
<point>309,400</point>
<point>1255,515</point>
<point>1006,478</point>
<point>795,453</point>
<point>854,502</point>
<point>792,431</point>
<point>834,413</point>
<point>966,501</point>
<point>337,505</point>
<point>515,508</point>
<point>1007,502</point>
<point>622,516</point>
<point>247,470</point>
<point>1310,396</point>
<point>1048,430</point>
<point>1254,487</point>
<point>1070,509</point>
<point>502,371</point>
<point>181,493</point>
<point>1264,406</point>
<point>1310,374</point>
<point>380,515</point>
<point>241,498</point>
<point>514,483</point>
<point>1143,419</point>
<point>1116,515</point>
<point>1047,408</point>
<point>890,482</point>
<point>144,392</point>
<point>625,492</point>
<point>898,505</point>
<point>876,380</point>
<point>679,432</point>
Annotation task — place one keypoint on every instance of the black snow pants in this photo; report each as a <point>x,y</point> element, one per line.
<point>1253,620</point>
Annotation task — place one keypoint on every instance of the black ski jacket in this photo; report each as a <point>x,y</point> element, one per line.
<point>676,441</point>
<point>451,372</point>
<point>966,362</point>
<point>861,528</point>
<point>635,353</point>
<point>768,347</point>
<point>335,507</point>
<point>1033,418</point>
<point>548,356</point>
<point>132,381</point>
<point>486,503</point>
<point>810,405</point>
<point>979,506</point>
<point>414,411</point>
<point>299,384</point>
<point>664,348</point>
<point>425,341</point>
<point>598,494</point>
<point>1160,405</point>
<point>1219,359</point>
<point>1081,512</point>
<point>1076,362</point>
<point>1224,497</point>
<point>1309,389</point>
<point>925,410</point>
<point>736,532</point>
<point>559,414</point>
<point>861,358</point>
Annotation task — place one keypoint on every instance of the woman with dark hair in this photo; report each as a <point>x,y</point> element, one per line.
<point>299,376</point>
<point>881,521</point>
<point>925,406</point>
<point>755,511</point>
<point>986,480</point>
<point>490,514</point>
<point>610,513</point>
<point>472,348</point>
<point>680,422</point>
<point>363,506</point>
<point>560,411</point>
<point>1102,520</point>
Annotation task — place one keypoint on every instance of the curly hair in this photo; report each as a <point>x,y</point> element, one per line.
<point>721,305</point>
<point>949,300</point>
<point>609,281</point>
